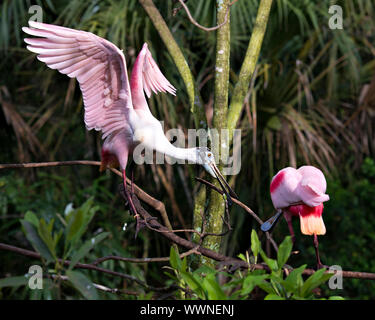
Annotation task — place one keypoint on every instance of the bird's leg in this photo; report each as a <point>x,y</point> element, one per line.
<point>131,168</point>
<point>132,184</point>
<point>319,264</point>
<point>288,218</point>
<point>131,204</point>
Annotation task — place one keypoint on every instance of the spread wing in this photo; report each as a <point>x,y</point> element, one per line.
<point>147,78</point>
<point>153,79</point>
<point>97,64</point>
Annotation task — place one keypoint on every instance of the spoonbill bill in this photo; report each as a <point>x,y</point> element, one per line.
<point>112,105</point>
<point>300,193</point>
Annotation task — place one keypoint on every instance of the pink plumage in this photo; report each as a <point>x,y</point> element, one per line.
<point>111,103</point>
<point>312,186</point>
<point>306,185</point>
<point>100,69</point>
<point>300,192</point>
<point>284,188</point>
<point>114,106</point>
<point>297,191</point>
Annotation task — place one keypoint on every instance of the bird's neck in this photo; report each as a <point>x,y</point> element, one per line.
<point>188,154</point>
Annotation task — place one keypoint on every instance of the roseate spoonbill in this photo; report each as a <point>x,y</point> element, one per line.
<point>300,193</point>
<point>112,105</point>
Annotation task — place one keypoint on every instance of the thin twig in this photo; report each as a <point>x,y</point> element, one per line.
<point>156,204</point>
<point>143,260</point>
<point>36,255</point>
<point>49,164</point>
<point>171,236</point>
<point>194,22</point>
<point>206,252</point>
<point>100,286</point>
<point>195,99</point>
<point>243,206</point>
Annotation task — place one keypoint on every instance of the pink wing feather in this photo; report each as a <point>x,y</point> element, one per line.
<point>283,187</point>
<point>153,79</point>
<point>313,186</point>
<point>98,65</point>
<point>146,77</point>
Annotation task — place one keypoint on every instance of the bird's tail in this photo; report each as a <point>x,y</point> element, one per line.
<point>311,220</point>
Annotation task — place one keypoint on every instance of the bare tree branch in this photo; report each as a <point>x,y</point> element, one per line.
<point>225,260</point>
<point>151,222</point>
<point>100,286</point>
<point>194,22</point>
<point>145,197</point>
<point>35,255</point>
<point>143,260</point>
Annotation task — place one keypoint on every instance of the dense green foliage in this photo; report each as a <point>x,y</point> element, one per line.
<point>312,101</point>
<point>204,283</point>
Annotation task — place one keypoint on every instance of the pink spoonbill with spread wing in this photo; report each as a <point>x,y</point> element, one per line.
<point>112,105</point>
<point>300,193</point>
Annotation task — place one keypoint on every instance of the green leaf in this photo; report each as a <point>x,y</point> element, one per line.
<point>14,281</point>
<point>147,296</point>
<point>85,249</point>
<point>274,123</point>
<point>213,289</point>
<point>36,241</point>
<point>193,284</point>
<point>251,281</point>
<point>45,232</point>
<point>50,290</point>
<point>205,270</point>
<point>255,243</point>
<point>78,221</point>
<point>294,280</point>
<point>242,257</point>
<point>336,298</point>
<point>82,284</point>
<point>184,264</point>
<point>314,281</point>
<point>75,224</point>
<point>284,251</point>
<point>273,297</point>
<point>57,236</point>
<point>271,263</point>
<point>266,286</point>
<point>174,259</point>
<point>32,218</point>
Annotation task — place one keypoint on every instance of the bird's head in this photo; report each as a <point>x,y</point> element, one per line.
<point>206,158</point>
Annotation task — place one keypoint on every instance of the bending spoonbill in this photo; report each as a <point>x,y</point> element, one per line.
<point>300,193</point>
<point>113,106</point>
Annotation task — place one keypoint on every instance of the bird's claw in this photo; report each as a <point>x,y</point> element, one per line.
<point>141,223</point>
<point>138,225</point>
